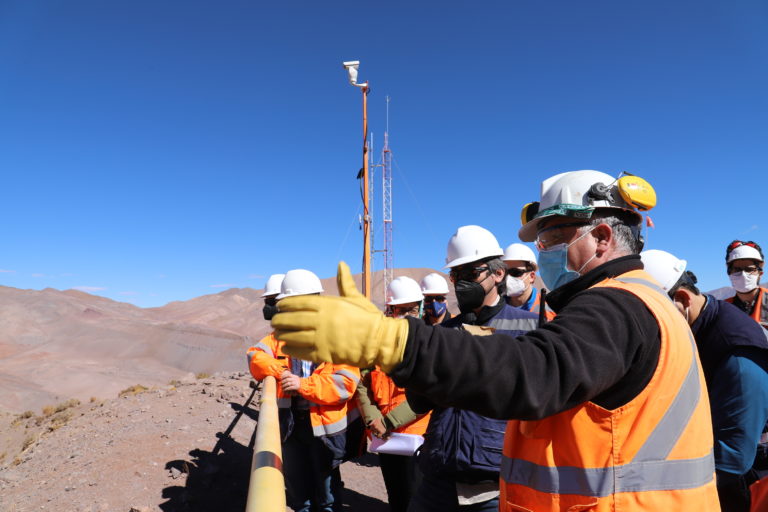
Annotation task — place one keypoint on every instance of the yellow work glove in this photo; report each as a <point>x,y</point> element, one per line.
<point>347,329</point>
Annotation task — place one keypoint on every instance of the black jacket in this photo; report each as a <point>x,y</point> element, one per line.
<point>603,346</point>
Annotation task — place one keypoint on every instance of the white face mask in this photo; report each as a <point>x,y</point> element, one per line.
<point>515,286</point>
<point>744,282</point>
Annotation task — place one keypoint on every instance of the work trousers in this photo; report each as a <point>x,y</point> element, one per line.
<point>312,482</point>
<point>401,478</point>
<point>436,494</point>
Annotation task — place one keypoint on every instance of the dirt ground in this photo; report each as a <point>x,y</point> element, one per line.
<point>148,450</point>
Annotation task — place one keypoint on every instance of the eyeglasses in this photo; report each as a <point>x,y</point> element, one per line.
<point>467,273</point>
<point>270,301</point>
<point>517,272</point>
<point>751,269</point>
<point>556,238</point>
<point>428,299</point>
<point>411,311</point>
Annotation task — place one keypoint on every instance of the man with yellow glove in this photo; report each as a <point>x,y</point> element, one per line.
<point>607,403</point>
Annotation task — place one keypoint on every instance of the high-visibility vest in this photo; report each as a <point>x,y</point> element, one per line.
<point>388,396</point>
<point>760,309</point>
<point>535,305</point>
<point>654,453</point>
<point>330,390</point>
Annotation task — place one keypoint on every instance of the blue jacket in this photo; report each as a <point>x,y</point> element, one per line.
<point>733,350</point>
<point>464,446</point>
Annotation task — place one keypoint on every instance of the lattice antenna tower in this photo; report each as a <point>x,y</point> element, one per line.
<point>386,190</point>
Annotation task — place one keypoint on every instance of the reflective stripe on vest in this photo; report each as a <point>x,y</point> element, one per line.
<point>513,324</point>
<point>340,384</point>
<point>337,426</point>
<point>644,282</point>
<point>602,482</point>
<point>648,471</point>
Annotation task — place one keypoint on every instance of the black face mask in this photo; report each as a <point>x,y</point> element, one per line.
<point>269,310</point>
<point>469,294</point>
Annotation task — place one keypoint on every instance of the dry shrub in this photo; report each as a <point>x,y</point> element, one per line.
<point>94,399</point>
<point>21,417</point>
<point>133,390</point>
<point>47,411</point>
<point>66,405</point>
<point>16,461</point>
<point>202,375</point>
<point>60,419</point>
<point>175,383</point>
<point>29,441</point>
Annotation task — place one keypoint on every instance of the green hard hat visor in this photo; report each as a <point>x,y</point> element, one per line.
<point>575,211</point>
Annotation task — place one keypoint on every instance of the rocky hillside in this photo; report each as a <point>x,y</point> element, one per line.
<point>154,448</point>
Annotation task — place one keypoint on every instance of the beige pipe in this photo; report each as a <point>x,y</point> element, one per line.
<point>266,488</point>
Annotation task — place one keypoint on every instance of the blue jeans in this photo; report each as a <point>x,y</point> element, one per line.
<point>312,483</point>
<point>437,495</point>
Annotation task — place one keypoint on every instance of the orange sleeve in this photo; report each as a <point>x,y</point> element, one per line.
<point>263,361</point>
<point>331,388</point>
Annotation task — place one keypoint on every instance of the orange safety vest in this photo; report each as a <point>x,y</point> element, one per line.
<point>388,396</point>
<point>760,309</point>
<point>654,453</point>
<point>536,306</point>
<point>330,389</point>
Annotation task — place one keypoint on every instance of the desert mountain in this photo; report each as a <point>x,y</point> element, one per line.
<point>56,345</point>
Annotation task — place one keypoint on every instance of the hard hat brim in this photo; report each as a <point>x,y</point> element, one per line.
<point>744,252</point>
<point>527,233</point>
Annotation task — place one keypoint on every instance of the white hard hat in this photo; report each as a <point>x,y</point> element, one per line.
<point>577,194</point>
<point>403,290</point>
<point>273,285</point>
<point>663,267</point>
<point>471,243</point>
<point>299,282</point>
<point>434,284</point>
<point>744,252</point>
<point>520,252</point>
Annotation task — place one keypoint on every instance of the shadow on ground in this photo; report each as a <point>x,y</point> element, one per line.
<point>218,479</point>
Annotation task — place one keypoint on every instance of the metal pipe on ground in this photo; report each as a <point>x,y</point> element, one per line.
<point>266,488</point>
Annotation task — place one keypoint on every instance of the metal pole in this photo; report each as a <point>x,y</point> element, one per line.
<point>366,201</point>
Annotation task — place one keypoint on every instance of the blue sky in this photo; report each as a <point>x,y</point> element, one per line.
<point>157,151</point>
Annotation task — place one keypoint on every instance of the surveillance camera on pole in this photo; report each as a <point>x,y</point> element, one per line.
<point>351,67</point>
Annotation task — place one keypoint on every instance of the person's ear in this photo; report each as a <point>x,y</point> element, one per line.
<point>683,297</point>
<point>603,233</point>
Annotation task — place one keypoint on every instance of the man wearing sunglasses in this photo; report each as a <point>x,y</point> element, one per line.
<point>744,262</point>
<point>734,357</point>
<point>607,404</point>
<point>435,290</point>
<point>521,274</point>
<point>461,454</point>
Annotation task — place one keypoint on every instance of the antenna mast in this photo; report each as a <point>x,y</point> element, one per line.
<point>386,190</point>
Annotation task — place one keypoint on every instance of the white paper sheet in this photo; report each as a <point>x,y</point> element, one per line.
<point>396,444</point>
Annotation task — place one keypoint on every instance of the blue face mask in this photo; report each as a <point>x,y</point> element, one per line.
<point>553,264</point>
<point>436,308</point>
